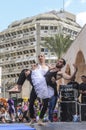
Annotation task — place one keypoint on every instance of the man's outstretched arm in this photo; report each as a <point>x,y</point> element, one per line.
<point>67,76</point>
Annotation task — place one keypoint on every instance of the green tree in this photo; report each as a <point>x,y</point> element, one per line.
<point>58,44</point>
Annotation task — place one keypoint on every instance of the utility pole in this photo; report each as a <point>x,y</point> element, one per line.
<point>38,39</point>
<point>63,5</point>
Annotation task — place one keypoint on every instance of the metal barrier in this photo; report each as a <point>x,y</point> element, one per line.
<point>67,109</point>
<point>82,111</point>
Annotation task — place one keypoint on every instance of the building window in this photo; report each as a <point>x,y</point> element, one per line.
<point>19,32</point>
<point>46,27</point>
<point>51,27</point>
<point>42,27</point>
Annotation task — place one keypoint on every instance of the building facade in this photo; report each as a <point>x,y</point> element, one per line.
<point>20,42</point>
<point>76,54</point>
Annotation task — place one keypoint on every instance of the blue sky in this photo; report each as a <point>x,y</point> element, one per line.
<point>12,10</point>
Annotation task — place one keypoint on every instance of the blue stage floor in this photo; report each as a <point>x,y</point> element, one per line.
<point>15,127</point>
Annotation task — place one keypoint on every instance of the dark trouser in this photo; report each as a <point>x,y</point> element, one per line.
<point>33,96</point>
<point>22,77</point>
<point>52,104</point>
<point>83,99</point>
<point>44,108</point>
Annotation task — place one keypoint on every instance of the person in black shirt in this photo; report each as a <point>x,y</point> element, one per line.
<point>75,86</point>
<point>82,88</point>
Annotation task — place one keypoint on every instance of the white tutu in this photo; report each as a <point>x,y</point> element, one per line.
<point>42,90</point>
<point>39,82</point>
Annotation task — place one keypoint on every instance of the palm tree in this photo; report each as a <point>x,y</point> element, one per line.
<point>58,44</point>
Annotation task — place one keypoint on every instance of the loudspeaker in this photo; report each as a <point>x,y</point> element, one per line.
<point>67,110</point>
<point>68,93</point>
<point>67,96</point>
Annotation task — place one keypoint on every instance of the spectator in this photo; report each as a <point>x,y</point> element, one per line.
<point>83,89</point>
<point>11,109</point>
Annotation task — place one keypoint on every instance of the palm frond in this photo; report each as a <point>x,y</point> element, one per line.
<point>58,44</point>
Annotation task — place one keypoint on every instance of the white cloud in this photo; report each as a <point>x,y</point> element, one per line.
<point>81,18</point>
<point>67,3</point>
<point>83,1</point>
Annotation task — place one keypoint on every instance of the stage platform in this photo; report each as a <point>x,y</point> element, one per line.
<point>15,126</point>
<point>48,126</point>
<point>62,126</point>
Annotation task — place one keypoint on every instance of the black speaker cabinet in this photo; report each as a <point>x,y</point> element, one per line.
<point>67,110</point>
<point>68,93</point>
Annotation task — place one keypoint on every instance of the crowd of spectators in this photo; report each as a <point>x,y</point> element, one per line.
<point>9,113</point>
